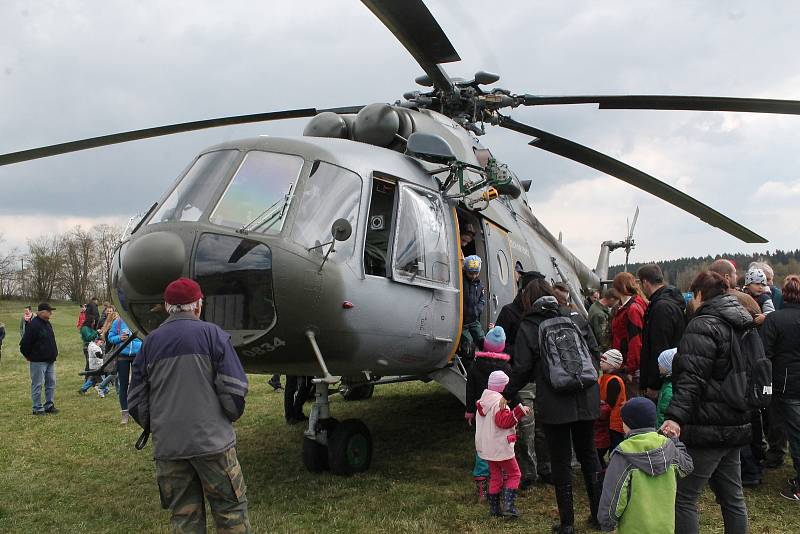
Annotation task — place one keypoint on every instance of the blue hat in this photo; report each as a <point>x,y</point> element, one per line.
<point>665,360</point>
<point>639,412</point>
<point>495,340</point>
<point>472,264</point>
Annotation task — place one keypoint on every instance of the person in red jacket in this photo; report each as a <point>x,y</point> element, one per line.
<point>627,326</point>
<point>81,317</point>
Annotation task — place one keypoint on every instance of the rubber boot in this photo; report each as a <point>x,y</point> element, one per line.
<point>481,489</point>
<point>494,505</point>
<point>509,505</point>
<point>594,488</point>
<point>566,516</point>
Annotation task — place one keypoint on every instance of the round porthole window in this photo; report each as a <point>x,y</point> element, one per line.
<point>502,266</point>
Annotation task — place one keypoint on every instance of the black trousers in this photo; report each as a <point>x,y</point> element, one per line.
<point>561,440</point>
<point>295,395</point>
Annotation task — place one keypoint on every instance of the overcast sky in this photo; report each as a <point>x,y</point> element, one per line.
<point>74,69</point>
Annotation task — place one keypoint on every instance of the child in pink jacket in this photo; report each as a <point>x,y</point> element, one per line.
<point>495,434</point>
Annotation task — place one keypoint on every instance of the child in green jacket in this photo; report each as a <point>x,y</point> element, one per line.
<point>642,475</point>
<point>665,395</point>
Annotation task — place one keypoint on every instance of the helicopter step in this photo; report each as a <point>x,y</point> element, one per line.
<point>453,378</point>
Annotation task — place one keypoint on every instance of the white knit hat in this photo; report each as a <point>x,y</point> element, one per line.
<point>612,357</point>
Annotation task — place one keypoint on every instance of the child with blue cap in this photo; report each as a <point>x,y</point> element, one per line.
<point>474,301</point>
<point>492,358</point>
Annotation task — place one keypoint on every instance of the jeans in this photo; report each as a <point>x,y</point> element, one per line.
<point>43,373</point>
<point>123,378</point>
<point>721,469</point>
<point>790,414</point>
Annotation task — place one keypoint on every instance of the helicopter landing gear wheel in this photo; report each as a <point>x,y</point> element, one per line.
<point>315,453</point>
<point>315,456</point>
<point>349,448</point>
<point>357,393</point>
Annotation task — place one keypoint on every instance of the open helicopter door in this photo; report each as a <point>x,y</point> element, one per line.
<point>500,269</point>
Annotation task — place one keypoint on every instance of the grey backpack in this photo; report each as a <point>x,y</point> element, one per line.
<point>566,360</point>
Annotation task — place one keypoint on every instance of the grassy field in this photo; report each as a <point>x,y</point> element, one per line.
<point>78,471</point>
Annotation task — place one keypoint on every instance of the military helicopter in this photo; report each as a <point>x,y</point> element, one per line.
<point>337,254</point>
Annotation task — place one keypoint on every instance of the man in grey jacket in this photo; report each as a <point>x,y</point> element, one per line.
<point>188,386</point>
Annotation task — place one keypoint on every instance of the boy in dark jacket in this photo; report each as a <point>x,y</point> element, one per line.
<point>642,477</point>
<point>486,362</point>
<point>474,301</point>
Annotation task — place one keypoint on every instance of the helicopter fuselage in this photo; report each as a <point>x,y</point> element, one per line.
<point>251,221</point>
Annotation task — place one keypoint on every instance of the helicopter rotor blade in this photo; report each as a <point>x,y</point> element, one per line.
<point>417,30</point>
<point>671,102</point>
<point>606,164</point>
<point>146,133</point>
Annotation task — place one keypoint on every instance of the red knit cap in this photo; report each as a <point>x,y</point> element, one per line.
<point>182,291</point>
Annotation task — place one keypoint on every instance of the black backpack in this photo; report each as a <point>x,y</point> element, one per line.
<point>566,360</point>
<point>749,384</point>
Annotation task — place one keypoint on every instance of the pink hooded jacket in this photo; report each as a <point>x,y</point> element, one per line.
<point>495,427</point>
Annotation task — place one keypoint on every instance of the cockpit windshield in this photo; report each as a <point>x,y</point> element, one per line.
<point>194,193</point>
<point>259,193</point>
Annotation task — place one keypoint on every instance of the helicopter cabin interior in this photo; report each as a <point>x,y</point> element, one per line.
<point>468,221</point>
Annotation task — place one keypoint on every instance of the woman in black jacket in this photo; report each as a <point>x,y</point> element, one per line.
<point>568,418</point>
<point>712,430</point>
<point>781,335</point>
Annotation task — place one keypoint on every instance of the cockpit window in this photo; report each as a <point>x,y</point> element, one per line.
<point>259,193</point>
<point>421,250</point>
<point>191,197</point>
<point>329,193</point>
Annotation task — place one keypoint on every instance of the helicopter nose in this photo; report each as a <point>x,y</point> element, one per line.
<point>154,260</point>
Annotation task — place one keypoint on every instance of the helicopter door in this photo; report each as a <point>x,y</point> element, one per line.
<point>422,257</point>
<point>499,267</point>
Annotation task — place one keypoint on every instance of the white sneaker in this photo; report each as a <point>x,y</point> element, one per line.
<point>99,392</point>
<point>124,418</point>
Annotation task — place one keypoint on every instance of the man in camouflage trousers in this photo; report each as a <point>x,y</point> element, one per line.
<point>188,386</point>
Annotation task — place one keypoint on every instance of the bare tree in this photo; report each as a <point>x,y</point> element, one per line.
<point>45,264</point>
<point>79,264</point>
<point>107,238</point>
<point>8,271</point>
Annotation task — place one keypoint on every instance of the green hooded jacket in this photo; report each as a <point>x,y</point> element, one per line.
<point>640,484</point>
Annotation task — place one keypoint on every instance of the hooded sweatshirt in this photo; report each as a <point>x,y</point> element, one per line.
<point>495,427</point>
<point>640,483</point>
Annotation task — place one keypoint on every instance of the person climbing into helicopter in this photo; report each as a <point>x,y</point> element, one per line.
<point>474,299</point>
<point>467,240</point>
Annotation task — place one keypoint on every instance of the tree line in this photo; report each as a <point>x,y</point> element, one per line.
<point>74,265</point>
<point>681,272</point>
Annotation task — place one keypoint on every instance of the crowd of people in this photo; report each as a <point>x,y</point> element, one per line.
<point>656,396</point>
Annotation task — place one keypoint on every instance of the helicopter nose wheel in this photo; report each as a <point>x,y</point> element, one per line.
<point>343,447</point>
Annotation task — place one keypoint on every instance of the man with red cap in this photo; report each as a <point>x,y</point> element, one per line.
<point>188,387</point>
